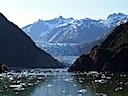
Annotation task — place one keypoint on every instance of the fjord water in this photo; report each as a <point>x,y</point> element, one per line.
<point>59,82</point>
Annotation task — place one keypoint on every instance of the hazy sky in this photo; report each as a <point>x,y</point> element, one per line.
<point>24,12</point>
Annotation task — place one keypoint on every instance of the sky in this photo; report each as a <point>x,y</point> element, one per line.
<point>24,12</point>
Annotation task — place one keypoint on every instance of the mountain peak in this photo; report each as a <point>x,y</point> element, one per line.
<point>115,15</point>
<point>60,17</point>
<point>123,21</point>
<point>39,21</point>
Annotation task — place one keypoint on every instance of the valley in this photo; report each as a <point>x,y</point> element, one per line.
<point>66,38</point>
<point>63,48</point>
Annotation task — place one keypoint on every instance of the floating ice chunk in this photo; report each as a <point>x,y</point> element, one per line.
<point>82,91</point>
<point>49,85</point>
<point>63,91</point>
<point>103,76</point>
<point>101,81</point>
<point>69,80</point>
<point>123,75</point>
<point>118,88</point>
<point>19,89</point>
<point>30,84</point>
<point>101,94</point>
<point>15,86</point>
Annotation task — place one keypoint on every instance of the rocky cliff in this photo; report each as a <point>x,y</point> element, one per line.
<point>3,68</point>
<point>17,50</point>
<point>111,55</point>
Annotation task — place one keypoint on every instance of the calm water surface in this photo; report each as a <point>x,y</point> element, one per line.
<point>61,83</point>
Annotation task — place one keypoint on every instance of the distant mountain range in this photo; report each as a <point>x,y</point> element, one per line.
<point>67,37</point>
<point>40,28</point>
<point>85,48</point>
<point>110,55</point>
<point>69,30</point>
<point>17,50</point>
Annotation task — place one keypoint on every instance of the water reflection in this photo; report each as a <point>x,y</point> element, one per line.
<point>61,83</point>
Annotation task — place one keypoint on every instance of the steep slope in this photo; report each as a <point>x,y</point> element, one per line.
<point>17,50</point>
<point>41,28</point>
<point>77,31</point>
<point>111,55</point>
<point>68,30</point>
<point>123,19</point>
<point>84,48</point>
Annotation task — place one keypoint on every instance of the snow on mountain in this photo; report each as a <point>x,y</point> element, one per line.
<point>59,49</point>
<point>63,36</point>
<point>76,31</point>
<point>81,31</point>
<point>41,28</point>
<point>113,21</point>
<point>84,48</point>
<point>123,21</point>
<point>66,53</point>
<point>115,16</point>
<point>36,30</point>
<point>69,30</point>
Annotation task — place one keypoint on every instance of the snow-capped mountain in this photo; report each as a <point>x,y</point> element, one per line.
<point>84,48</point>
<point>70,33</point>
<point>118,19</point>
<point>41,28</point>
<point>113,19</point>
<point>123,21</point>
<point>70,30</point>
<point>76,31</point>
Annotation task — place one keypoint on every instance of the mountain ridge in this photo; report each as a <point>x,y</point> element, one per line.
<point>111,55</point>
<point>17,50</point>
<point>70,30</point>
<point>41,27</point>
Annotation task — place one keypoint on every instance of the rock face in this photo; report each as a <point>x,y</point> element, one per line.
<point>17,50</point>
<point>3,68</point>
<point>85,48</point>
<point>111,55</point>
